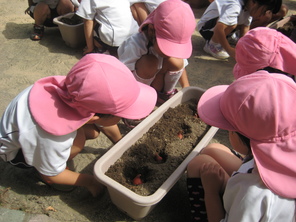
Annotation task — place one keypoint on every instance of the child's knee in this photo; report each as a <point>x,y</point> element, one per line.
<point>194,166</point>
<point>42,8</point>
<point>214,149</point>
<point>147,66</point>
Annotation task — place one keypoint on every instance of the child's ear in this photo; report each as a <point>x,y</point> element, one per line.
<point>151,31</point>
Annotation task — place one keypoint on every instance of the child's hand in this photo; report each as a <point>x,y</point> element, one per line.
<point>27,11</point>
<point>213,177</point>
<point>87,50</point>
<point>95,188</point>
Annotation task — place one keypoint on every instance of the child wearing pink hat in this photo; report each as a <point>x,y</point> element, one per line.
<point>264,48</point>
<point>48,123</point>
<point>256,110</point>
<point>157,53</point>
<point>224,18</point>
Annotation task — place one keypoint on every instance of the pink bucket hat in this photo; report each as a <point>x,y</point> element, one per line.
<point>262,47</point>
<point>174,24</point>
<point>259,107</point>
<point>96,84</point>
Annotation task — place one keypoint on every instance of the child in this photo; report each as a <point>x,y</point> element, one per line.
<point>255,109</point>
<point>142,8</point>
<point>269,17</point>
<point>48,123</point>
<point>43,12</point>
<point>157,53</point>
<point>222,18</point>
<point>107,23</point>
<point>264,48</point>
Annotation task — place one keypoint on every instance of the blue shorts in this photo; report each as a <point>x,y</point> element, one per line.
<point>49,21</point>
<point>19,161</point>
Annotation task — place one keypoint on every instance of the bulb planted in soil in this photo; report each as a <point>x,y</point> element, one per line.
<point>196,115</point>
<point>158,158</point>
<point>180,134</point>
<point>137,180</point>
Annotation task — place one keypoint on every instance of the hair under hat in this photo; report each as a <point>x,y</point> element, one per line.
<point>174,24</point>
<point>259,107</point>
<point>96,84</point>
<point>264,47</point>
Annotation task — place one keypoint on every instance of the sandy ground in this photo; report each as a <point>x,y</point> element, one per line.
<point>22,62</point>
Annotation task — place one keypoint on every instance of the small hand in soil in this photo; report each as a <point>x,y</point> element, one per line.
<point>180,134</point>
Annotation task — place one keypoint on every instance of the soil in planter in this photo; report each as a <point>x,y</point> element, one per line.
<point>74,20</point>
<point>145,166</point>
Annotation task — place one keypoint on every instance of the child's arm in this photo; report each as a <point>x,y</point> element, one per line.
<point>69,177</point>
<point>139,12</point>
<point>30,2</point>
<point>88,32</point>
<point>184,82</point>
<point>219,36</point>
<point>213,179</point>
<point>243,30</point>
<point>112,132</point>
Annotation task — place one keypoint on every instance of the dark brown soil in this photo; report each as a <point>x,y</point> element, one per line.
<point>288,29</point>
<point>172,138</point>
<point>74,20</point>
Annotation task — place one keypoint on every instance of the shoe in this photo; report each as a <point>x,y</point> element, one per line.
<point>131,123</point>
<point>163,97</point>
<point>215,50</point>
<point>38,33</point>
<point>233,39</point>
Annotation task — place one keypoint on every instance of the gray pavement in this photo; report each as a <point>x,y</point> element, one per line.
<point>7,215</point>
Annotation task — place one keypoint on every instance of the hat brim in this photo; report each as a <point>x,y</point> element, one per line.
<point>209,110</point>
<point>172,49</point>
<point>45,105</point>
<point>238,72</point>
<point>278,172</point>
<point>176,50</point>
<point>47,110</point>
<point>142,106</point>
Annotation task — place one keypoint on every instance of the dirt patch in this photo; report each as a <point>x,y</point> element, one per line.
<point>74,20</point>
<point>151,160</point>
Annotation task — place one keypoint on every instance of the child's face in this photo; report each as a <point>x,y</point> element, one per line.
<point>152,38</point>
<point>256,10</point>
<point>237,144</point>
<point>107,121</point>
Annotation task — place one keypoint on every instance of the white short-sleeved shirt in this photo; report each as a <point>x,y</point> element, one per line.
<point>46,152</point>
<point>230,12</point>
<point>246,199</point>
<point>150,4</point>
<point>114,16</point>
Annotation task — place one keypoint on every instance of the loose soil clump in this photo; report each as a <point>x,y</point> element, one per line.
<point>74,20</point>
<point>145,166</point>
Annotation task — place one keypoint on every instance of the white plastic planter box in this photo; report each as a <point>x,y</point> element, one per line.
<point>73,35</point>
<point>134,205</point>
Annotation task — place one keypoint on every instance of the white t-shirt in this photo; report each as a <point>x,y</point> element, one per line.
<point>150,4</point>
<point>230,12</point>
<point>246,199</point>
<point>114,16</point>
<point>46,152</point>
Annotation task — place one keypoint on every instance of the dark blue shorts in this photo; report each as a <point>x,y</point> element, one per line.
<point>48,22</point>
